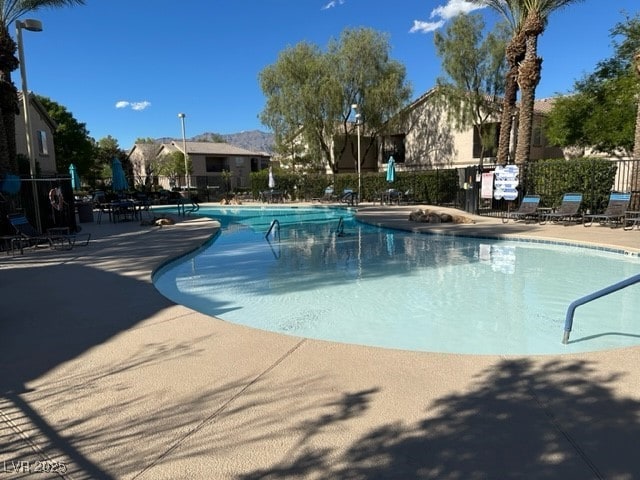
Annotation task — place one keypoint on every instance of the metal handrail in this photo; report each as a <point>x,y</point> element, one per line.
<point>275,224</point>
<point>568,323</point>
<point>182,206</point>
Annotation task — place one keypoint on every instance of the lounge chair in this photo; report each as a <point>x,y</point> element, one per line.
<point>528,210</point>
<point>614,214</point>
<point>55,238</point>
<point>567,211</point>
<point>349,197</point>
<point>632,219</point>
<point>329,195</point>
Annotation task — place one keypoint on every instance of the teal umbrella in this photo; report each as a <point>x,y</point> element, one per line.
<point>118,178</point>
<point>75,179</point>
<point>391,170</point>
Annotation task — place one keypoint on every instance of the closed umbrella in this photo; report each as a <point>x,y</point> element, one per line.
<point>272,181</point>
<point>118,178</point>
<point>391,170</point>
<point>75,179</point>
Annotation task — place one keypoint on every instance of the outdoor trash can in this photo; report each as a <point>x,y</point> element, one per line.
<point>85,212</point>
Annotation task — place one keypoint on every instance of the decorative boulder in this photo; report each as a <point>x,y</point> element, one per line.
<point>430,216</point>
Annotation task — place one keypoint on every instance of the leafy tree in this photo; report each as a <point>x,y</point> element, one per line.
<point>171,165</point>
<point>603,111</point>
<point>10,11</point>
<point>71,139</point>
<point>106,149</point>
<point>475,69</point>
<point>147,149</point>
<point>311,93</point>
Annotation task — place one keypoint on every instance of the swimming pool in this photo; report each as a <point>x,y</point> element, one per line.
<point>402,290</point>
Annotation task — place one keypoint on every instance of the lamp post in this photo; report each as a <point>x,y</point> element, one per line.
<point>358,117</point>
<point>184,147</point>
<point>32,26</point>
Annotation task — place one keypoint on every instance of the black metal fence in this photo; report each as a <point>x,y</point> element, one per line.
<point>595,179</point>
<point>32,199</point>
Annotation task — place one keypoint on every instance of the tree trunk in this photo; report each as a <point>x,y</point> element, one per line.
<point>8,103</point>
<point>515,54</point>
<point>528,79</point>
<point>6,165</point>
<point>636,143</point>
<point>506,122</point>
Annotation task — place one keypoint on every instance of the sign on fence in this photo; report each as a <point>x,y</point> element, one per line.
<point>506,182</point>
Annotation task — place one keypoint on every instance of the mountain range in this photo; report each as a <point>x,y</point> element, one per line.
<point>253,140</point>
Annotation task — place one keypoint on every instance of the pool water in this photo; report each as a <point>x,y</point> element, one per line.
<point>401,290</point>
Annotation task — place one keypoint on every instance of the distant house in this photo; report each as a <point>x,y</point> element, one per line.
<point>208,162</point>
<point>42,128</point>
<point>142,156</point>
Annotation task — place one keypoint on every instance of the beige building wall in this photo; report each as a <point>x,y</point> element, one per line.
<point>41,139</point>
<point>433,141</point>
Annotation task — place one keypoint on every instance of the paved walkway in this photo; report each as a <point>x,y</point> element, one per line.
<point>103,376</point>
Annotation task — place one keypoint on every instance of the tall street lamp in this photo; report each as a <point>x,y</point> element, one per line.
<point>184,148</point>
<point>32,26</point>
<point>358,117</point>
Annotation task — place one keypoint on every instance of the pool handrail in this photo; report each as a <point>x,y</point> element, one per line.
<point>275,223</point>
<point>568,323</point>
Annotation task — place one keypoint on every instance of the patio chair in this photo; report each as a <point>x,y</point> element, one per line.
<point>528,210</point>
<point>328,196</point>
<point>55,238</point>
<point>30,237</point>
<point>567,211</point>
<point>632,219</point>
<point>615,212</point>
<point>349,197</point>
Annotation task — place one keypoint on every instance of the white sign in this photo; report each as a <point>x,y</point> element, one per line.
<point>487,185</point>
<point>506,182</point>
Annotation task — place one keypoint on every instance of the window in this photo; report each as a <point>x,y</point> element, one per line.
<point>491,133</point>
<point>42,142</point>
<point>216,164</point>
<point>537,137</point>
<point>394,145</point>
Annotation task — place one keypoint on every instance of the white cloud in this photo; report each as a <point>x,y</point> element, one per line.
<point>140,105</point>
<point>137,106</point>
<point>333,3</point>
<point>425,27</point>
<point>454,8</point>
<point>443,13</point>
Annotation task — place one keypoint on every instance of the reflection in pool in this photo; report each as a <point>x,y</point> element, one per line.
<point>400,290</point>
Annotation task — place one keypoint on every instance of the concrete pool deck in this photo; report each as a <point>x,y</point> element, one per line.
<point>102,374</point>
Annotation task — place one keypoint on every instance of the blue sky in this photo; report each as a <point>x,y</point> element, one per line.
<point>126,68</point>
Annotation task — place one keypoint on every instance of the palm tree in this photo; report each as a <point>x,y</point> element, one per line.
<point>636,142</point>
<point>528,19</point>
<point>537,14</point>
<point>512,12</point>
<point>10,11</point>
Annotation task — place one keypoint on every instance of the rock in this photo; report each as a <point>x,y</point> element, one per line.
<point>416,216</point>
<point>434,218</point>
<point>429,216</point>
